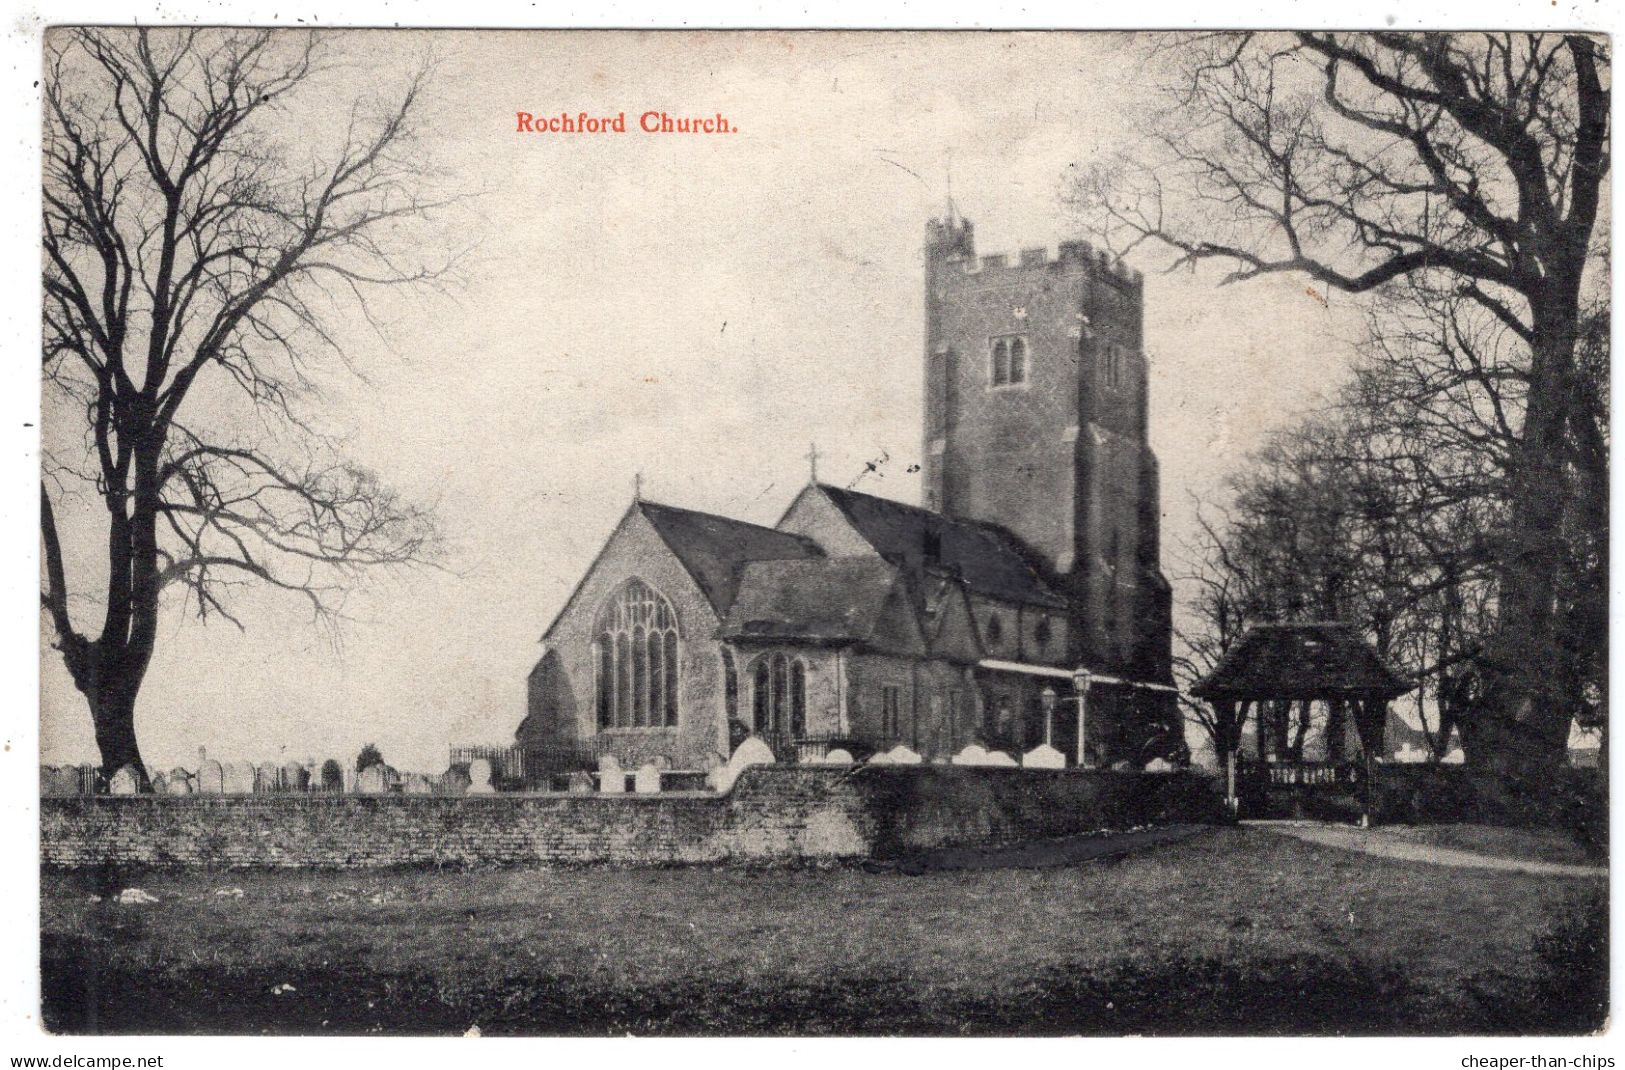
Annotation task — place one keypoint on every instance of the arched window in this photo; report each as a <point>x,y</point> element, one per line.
<point>635,669</point>
<point>779,702</point>
<point>1001,362</point>
<point>798,699</point>
<point>1018,360</point>
<point>995,630</point>
<point>761,704</point>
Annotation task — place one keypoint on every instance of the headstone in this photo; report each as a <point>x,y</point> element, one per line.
<point>647,779</point>
<point>1043,756</point>
<point>160,784</point>
<point>237,778</point>
<point>266,778</point>
<point>417,784</point>
<point>898,755</point>
<point>180,782</point>
<point>838,756</point>
<point>372,781</point>
<point>54,780</point>
<point>332,776</point>
<point>125,782</point>
<point>751,752</point>
<point>611,777</point>
<point>479,777</point>
<point>580,783</point>
<point>295,777</point>
<point>1454,757</point>
<point>211,778</point>
<point>1126,766</point>
<point>974,754</point>
<point>453,781</point>
<point>999,758</point>
<point>1159,765</point>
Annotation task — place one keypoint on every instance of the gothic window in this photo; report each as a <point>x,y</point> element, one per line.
<point>779,699</point>
<point>1018,360</point>
<point>891,718</point>
<point>1041,634</point>
<point>1111,366</point>
<point>995,631</point>
<point>1008,361</point>
<point>635,663</point>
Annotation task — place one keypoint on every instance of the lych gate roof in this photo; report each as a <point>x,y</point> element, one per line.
<point>1301,661</point>
<point>714,548</point>
<point>836,600</point>
<point>988,559</point>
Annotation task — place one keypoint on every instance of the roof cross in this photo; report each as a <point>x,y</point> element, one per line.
<point>812,463</point>
<point>637,486</point>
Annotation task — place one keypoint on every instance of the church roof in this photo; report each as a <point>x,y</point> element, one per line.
<point>833,600</point>
<point>988,559</point>
<point>1292,661</point>
<point>714,548</point>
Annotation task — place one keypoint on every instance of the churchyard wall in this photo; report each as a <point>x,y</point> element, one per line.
<point>774,814</point>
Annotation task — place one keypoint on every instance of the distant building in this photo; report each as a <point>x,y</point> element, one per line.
<point>863,622</point>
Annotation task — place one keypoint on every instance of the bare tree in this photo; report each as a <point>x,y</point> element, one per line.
<point>189,255</point>
<point>1473,164</point>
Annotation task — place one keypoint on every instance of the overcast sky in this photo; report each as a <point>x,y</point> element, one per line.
<point>695,308</point>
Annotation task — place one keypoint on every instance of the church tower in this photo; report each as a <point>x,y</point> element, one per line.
<point>1035,420</point>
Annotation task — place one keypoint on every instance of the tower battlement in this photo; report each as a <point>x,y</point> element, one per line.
<point>954,241</point>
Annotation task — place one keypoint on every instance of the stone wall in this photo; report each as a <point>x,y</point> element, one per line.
<point>776,814</point>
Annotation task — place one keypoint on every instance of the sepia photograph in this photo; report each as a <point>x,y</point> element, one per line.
<point>858,533</point>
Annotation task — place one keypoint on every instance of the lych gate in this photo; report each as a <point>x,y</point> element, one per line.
<point>1325,662</point>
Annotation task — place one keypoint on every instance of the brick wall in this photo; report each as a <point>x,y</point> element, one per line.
<point>774,814</point>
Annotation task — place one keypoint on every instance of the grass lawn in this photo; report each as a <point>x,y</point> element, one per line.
<point>1232,931</point>
<point>1530,845</point>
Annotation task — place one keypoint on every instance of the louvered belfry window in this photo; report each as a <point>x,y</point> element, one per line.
<point>635,659</point>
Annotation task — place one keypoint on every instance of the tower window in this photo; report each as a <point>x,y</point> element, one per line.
<point>1008,364</point>
<point>1111,366</point>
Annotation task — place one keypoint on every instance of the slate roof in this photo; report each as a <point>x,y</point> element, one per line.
<point>714,548</point>
<point>838,600</point>
<point>1312,660</point>
<point>989,560</point>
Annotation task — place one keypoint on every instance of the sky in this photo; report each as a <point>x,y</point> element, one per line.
<point>697,309</point>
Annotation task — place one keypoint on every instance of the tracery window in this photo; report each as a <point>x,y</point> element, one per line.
<point>779,695</point>
<point>1008,361</point>
<point>635,659</point>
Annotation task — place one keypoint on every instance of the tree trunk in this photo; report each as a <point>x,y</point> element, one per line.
<point>113,714</point>
<point>1520,729</point>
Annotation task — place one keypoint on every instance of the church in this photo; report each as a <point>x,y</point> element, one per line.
<point>1022,603</point>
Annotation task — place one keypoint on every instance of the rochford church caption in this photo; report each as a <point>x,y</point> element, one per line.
<point>650,122</point>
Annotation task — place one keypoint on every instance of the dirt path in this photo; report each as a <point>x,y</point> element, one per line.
<point>1066,851</point>
<point>1375,842</point>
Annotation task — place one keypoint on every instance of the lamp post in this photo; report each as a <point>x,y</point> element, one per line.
<point>1080,684</point>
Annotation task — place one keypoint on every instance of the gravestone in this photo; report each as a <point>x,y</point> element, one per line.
<point>295,777</point>
<point>479,778</point>
<point>417,784</point>
<point>898,755</point>
<point>160,784</point>
<point>211,778</point>
<point>1159,765</point>
<point>237,778</point>
<point>647,779</point>
<point>838,756</point>
<point>266,778</point>
<point>750,752</point>
<point>611,777</point>
<point>974,754</point>
<point>999,758</point>
<point>580,783</point>
<point>180,782</point>
<point>376,780</point>
<point>1043,756</point>
<point>58,780</point>
<point>125,782</point>
<point>453,781</point>
<point>332,776</point>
